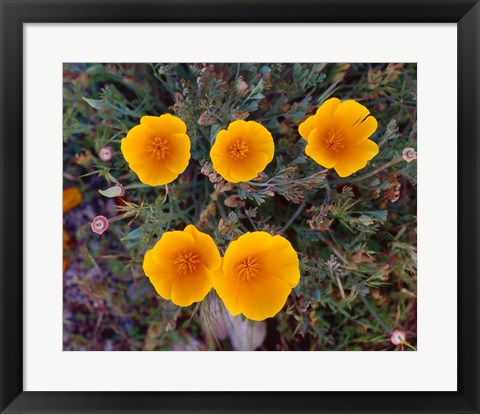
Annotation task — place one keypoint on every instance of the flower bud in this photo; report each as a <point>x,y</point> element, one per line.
<point>409,154</point>
<point>116,191</point>
<point>105,153</point>
<point>99,224</point>
<point>398,337</point>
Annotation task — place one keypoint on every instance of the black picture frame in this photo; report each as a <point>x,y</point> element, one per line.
<point>14,13</point>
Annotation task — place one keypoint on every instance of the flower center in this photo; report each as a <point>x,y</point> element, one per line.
<point>333,140</point>
<point>248,268</point>
<point>238,150</point>
<point>158,148</point>
<point>186,262</point>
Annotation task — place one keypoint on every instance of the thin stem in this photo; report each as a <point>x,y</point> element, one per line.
<point>376,315</point>
<point>220,208</point>
<point>328,191</point>
<point>250,220</point>
<point>278,180</point>
<point>335,250</point>
<point>136,185</point>
<point>340,286</point>
<point>294,216</point>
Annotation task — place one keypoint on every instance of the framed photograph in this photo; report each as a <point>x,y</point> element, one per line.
<point>239,206</point>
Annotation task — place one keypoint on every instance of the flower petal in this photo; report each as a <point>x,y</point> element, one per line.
<point>227,288</point>
<point>222,143</point>
<point>163,284</point>
<point>161,275</point>
<point>170,244</point>
<point>153,173</point>
<point>72,197</point>
<point>263,297</point>
<point>206,248</point>
<point>243,170</point>
<point>260,140</point>
<point>322,118</point>
<point>238,129</point>
<point>219,155</point>
<point>355,157</point>
<point>219,276</point>
<point>351,118</point>
<point>281,261</point>
<point>179,155</point>
<point>249,244</point>
<point>307,126</point>
<point>133,146</point>
<point>222,166</point>
<point>258,160</point>
<point>192,287</point>
<point>362,130</point>
<point>322,155</point>
<point>164,125</point>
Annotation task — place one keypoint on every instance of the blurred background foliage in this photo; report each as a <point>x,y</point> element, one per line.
<point>356,237</point>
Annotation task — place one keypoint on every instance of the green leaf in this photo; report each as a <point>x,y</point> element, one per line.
<point>94,103</point>
<point>134,234</point>
<point>380,215</point>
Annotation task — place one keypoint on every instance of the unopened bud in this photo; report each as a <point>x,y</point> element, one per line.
<point>409,154</point>
<point>99,224</point>
<point>116,191</point>
<point>105,153</point>
<point>398,337</point>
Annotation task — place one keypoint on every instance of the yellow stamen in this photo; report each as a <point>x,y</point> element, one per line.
<point>158,148</point>
<point>333,140</point>
<point>248,268</point>
<point>186,262</point>
<point>238,150</point>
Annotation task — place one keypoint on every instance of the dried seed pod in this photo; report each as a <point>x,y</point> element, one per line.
<point>233,201</point>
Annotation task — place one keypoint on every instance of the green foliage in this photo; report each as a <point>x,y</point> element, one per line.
<point>356,237</point>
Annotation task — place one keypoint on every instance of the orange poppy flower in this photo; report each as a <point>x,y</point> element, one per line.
<point>157,150</point>
<point>67,242</point>
<point>337,136</point>
<point>181,265</point>
<point>259,272</point>
<point>242,151</point>
<point>72,197</point>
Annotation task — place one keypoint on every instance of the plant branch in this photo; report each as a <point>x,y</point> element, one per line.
<point>294,216</point>
<point>376,315</point>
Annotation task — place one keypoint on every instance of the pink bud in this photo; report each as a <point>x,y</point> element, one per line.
<point>122,189</point>
<point>99,224</point>
<point>398,337</point>
<point>105,153</point>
